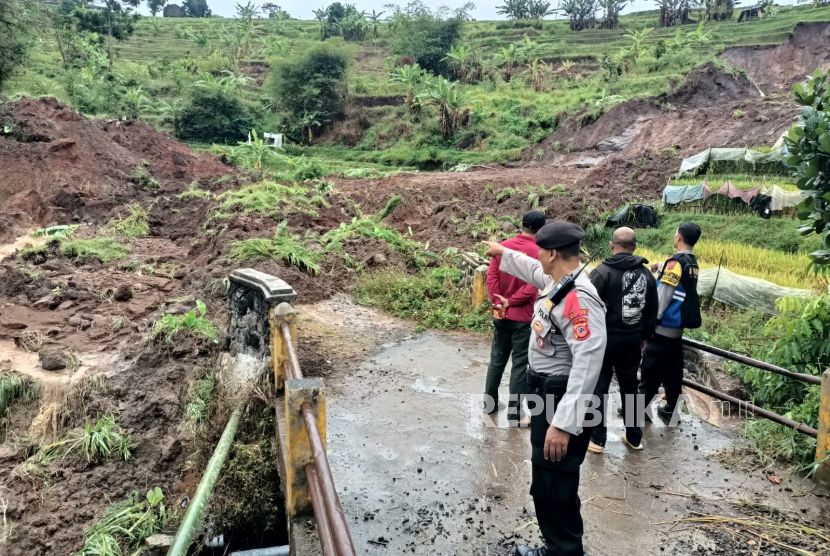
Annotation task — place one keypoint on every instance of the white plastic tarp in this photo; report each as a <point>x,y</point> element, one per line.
<point>781,198</point>
<point>699,160</point>
<point>743,292</point>
<point>674,194</point>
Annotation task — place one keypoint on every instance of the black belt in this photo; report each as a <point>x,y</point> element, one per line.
<point>547,384</point>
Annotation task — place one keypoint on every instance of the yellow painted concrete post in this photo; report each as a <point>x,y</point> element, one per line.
<point>480,286</point>
<point>823,445</point>
<point>281,314</point>
<point>297,392</point>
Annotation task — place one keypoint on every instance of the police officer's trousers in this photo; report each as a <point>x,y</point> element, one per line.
<point>555,484</point>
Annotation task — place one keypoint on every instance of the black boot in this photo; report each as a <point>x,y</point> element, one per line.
<point>665,411</point>
<point>522,550</point>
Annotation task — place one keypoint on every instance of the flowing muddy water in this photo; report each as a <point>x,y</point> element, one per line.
<point>421,471</point>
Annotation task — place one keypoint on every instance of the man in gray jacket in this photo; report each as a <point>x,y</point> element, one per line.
<point>565,356</point>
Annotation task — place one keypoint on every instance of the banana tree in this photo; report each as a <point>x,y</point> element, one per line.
<point>272,45</point>
<point>374,18</point>
<point>439,93</point>
<point>637,37</point>
<point>698,38</point>
<point>311,120</point>
<point>411,77</point>
<point>510,57</point>
<point>536,68</point>
<point>459,55</point>
<point>322,15</point>
<point>258,150</point>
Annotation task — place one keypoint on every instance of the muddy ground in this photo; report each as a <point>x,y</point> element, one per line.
<point>60,167</point>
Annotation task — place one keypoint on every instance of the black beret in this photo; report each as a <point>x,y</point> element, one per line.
<point>558,234</point>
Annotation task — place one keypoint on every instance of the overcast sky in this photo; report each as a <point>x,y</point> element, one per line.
<point>485,10</point>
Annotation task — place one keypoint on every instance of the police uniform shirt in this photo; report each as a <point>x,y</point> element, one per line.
<point>567,339</point>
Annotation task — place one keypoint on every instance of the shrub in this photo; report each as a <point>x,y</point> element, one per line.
<point>313,83</point>
<point>170,325</point>
<point>426,38</point>
<point>104,249</point>
<point>134,225</point>
<point>213,117</point>
<point>282,247</point>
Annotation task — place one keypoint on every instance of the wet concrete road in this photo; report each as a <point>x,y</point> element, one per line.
<point>420,471</point>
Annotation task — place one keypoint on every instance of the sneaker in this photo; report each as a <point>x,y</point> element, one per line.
<point>595,448</point>
<point>631,445</point>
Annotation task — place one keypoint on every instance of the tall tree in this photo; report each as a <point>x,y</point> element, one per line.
<point>155,6</point>
<point>675,12</point>
<point>196,8</point>
<point>611,13</point>
<point>116,7</point>
<point>581,13</point>
<point>15,26</point>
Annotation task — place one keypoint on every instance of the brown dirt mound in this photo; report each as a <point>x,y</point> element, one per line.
<point>55,161</point>
<point>776,68</point>
<point>708,85</point>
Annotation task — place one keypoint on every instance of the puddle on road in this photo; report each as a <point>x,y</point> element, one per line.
<point>26,240</point>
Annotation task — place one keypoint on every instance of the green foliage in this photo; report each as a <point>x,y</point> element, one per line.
<point>808,145</point>
<point>194,191</point>
<point>124,526</point>
<point>803,334</point>
<point>168,326</point>
<point>213,116</point>
<point>311,83</point>
<point>15,387</point>
<point>425,36</point>
<point>196,8</point>
<point>271,198</point>
<point>373,228</point>
<point>134,225</point>
<point>16,18</point>
<point>104,249</point>
<point>103,440</point>
<point>144,179</point>
<point>433,299</point>
<point>199,395</point>
<point>282,247</point>
<point>62,231</point>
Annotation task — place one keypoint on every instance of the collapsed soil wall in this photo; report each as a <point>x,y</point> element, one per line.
<point>776,68</point>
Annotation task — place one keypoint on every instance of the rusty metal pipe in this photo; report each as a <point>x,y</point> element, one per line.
<point>323,526</point>
<point>287,370</point>
<point>334,510</point>
<point>765,413</point>
<point>292,353</point>
<point>763,365</point>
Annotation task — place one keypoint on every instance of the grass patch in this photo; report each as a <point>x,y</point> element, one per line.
<point>135,224</point>
<point>100,441</point>
<point>282,247</point>
<point>270,198</point>
<point>193,191</point>
<point>124,526</point>
<point>144,179</point>
<point>433,299</point>
<point>169,326</point>
<point>416,251</point>
<point>104,249</point>
<point>15,387</point>
<point>198,400</point>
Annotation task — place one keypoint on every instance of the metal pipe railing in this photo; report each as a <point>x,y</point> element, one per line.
<point>184,536</point>
<point>323,526</point>
<point>763,365</point>
<point>331,501</point>
<point>331,519</point>
<point>767,414</point>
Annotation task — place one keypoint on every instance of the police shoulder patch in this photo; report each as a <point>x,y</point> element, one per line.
<point>581,330</point>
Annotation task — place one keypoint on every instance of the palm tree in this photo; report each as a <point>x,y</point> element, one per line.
<point>322,15</point>
<point>698,38</point>
<point>411,77</point>
<point>510,56</point>
<point>459,55</point>
<point>272,45</point>
<point>309,120</point>
<point>375,19</point>
<point>636,38</point>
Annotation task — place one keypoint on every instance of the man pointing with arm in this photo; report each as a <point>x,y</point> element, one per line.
<point>565,357</point>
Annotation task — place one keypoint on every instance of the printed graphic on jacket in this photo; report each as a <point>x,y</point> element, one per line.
<point>634,301</point>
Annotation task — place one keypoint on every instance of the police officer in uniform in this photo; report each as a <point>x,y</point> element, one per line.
<point>565,357</point>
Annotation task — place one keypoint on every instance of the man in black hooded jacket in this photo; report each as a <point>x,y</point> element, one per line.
<point>629,292</point>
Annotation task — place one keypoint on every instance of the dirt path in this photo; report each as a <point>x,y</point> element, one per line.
<point>419,471</point>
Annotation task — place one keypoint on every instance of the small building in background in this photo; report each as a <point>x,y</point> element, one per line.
<point>750,12</point>
<point>173,10</point>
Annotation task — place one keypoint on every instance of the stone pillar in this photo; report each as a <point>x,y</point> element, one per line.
<point>298,448</point>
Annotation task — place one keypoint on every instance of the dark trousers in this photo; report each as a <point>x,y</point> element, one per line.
<point>622,356</point>
<point>662,364</point>
<point>509,336</point>
<point>555,484</point>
